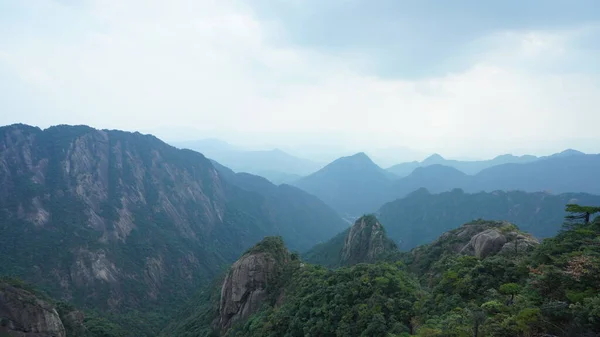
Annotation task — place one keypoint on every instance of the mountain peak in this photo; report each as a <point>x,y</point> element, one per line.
<point>434,159</point>
<point>366,242</point>
<point>359,156</point>
<point>568,152</point>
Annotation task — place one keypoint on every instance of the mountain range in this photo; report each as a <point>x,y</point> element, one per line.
<point>355,185</point>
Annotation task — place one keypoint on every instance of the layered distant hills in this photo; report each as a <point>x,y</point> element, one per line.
<point>276,165</point>
<point>354,185</point>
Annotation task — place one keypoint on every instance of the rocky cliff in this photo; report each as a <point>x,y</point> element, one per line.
<point>366,242</point>
<point>23,314</point>
<point>113,219</point>
<point>249,281</point>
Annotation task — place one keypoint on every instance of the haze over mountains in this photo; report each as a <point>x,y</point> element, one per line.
<point>348,183</point>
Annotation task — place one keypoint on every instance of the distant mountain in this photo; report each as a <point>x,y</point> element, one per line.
<point>468,167</point>
<point>275,165</point>
<point>116,220</point>
<point>355,185</point>
<point>555,174</point>
<point>351,185</point>
<point>421,216</point>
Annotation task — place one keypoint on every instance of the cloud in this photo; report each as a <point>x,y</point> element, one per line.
<point>227,70</point>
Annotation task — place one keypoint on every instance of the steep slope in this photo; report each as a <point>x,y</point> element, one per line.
<point>23,314</point>
<point>288,205</point>
<point>272,164</point>
<point>119,220</point>
<point>467,167</point>
<point>365,242</point>
<point>421,216</point>
<point>351,185</point>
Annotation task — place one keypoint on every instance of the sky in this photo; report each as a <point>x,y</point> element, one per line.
<point>462,78</point>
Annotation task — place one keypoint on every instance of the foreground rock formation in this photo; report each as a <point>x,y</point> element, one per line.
<point>247,284</point>
<point>23,314</point>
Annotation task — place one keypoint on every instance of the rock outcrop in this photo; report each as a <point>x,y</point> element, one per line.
<point>503,238</point>
<point>480,238</point>
<point>366,242</point>
<point>23,314</point>
<point>246,286</point>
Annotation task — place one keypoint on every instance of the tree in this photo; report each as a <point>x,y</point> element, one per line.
<point>578,213</point>
<point>511,289</point>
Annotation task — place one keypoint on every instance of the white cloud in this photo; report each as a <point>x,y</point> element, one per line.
<point>211,65</point>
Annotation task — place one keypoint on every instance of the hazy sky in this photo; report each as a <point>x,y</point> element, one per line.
<point>462,78</point>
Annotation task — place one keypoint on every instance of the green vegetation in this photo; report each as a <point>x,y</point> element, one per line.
<point>364,300</point>
<point>421,217</point>
<point>552,289</point>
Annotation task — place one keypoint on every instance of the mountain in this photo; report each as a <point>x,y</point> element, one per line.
<point>557,174</point>
<point>351,185</point>
<point>421,216</point>
<point>116,220</point>
<point>467,167</point>
<point>365,242</point>
<point>275,165</point>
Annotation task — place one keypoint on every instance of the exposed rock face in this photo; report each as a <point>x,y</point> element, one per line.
<point>366,242</point>
<point>486,243</point>
<point>480,238</point>
<point>505,239</point>
<point>116,219</point>
<point>22,314</point>
<point>245,287</point>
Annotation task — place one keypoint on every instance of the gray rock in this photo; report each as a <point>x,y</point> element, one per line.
<point>244,288</point>
<point>366,242</point>
<point>22,314</point>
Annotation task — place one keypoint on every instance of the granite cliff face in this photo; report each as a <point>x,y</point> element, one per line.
<point>23,314</point>
<point>246,286</point>
<point>366,242</point>
<point>115,219</point>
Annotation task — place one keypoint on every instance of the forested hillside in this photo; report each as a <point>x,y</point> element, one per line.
<point>421,216</point>
<point>485,278</point>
